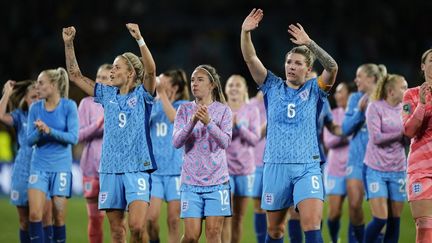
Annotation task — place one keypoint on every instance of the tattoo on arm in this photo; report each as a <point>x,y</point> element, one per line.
<point>323,57</point>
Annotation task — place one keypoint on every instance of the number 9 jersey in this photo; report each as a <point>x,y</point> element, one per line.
<point>292,121</point>
<point>126,142</point>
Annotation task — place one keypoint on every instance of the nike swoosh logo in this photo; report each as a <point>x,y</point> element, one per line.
<point>112,102</point>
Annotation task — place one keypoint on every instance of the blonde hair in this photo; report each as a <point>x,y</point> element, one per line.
<point>243,81</point>
<point>60,77</point>
<point>213,76</point>
<point>134,62</point>
<point>304,51</point>
<point>374,70</point>
<point>384,85</point>
<point>423,61</point>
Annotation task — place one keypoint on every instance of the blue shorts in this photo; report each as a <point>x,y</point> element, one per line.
<point>19,196</point>
<point>335,185</point>
<point>51,183</point>
<point>386,184</point>
<point>117,191</point>
<point>205,204</point>
<point>354,171</point>
<point>285,185</point>
<point>258,182</point>
<point>165,187</point>
<point>242,185</point>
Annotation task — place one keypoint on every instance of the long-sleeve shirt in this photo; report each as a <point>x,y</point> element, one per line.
<point>385,149</point>
<point>418,126</point>
<point>204,145</point>
<point>354,124</point>
<point>53,152</point>
<point>21,169</point>
<point>260,146</point>
<point>337,147</point>
<point>246,134</point>
<point>91,135</point>
<point>168,158</point>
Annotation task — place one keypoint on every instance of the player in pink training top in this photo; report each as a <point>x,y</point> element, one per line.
<point>204,128</point>
<point>240,154</point>
<point>337,157</point>
<point>417,114</point>
<point>385,160</point>
<point>90,134</point>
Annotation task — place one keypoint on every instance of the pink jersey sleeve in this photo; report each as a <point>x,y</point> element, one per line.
<point>413,112</point>
<point>182,128</point>
<point>376,134</point>
<point>251,134</point>
<point>222,135</point>
<point>87,129</point>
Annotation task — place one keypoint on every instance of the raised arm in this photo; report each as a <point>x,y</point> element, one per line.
<point>328,76</point>
<point>256,68</point>
<point>167,106</point>
<point>7,92</point>
<point>149,79</point>
<point>85,84</point>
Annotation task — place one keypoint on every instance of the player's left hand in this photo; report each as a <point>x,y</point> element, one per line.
<point>299,34</point>
<point>134,30</point>
<point>202,114</point>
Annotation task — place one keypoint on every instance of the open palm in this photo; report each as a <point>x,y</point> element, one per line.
<point>299,34</point>
<point>252,20</point>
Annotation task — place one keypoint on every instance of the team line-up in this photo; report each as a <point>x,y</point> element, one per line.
<point>146,143</point>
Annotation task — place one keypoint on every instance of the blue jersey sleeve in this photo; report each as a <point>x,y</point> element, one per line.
<point>103,92</point>
<point>33,134</point>
<point>16,118</point>
<point>71,135</point>
<point>270,81</point>
<point>354,118</point>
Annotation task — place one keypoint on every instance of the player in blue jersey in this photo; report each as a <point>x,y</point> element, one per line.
<point>172,91</point>
<point>17,97</point>
<point>127,154</point>
<point>292,173</point>
<point>354,124</point>
<point>52,129</point>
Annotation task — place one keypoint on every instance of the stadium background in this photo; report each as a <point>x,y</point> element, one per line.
<point>191,32</point>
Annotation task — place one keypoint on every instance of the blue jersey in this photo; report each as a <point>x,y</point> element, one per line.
<point>292,121</point>
<point>168,158</point>
<point>354,124</point>
<point>21,167</point>
<point>53,152</point>
<point>324,118</point>
<point>126,142</point>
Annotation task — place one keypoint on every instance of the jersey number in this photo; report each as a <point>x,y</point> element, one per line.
<point>122,119</point>
<point>291,110</point>
<point>161,129</point>
<point>142,184</point>
<point>315,182</point>
<point>224,197</point>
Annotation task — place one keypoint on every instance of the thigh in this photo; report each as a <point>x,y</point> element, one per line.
<point>277,218</point>
<point>157,188</point>
<point>217,203</point>
<point>39,180</point>
<point>376,185</point>
<point>379,207</point>
<point>421,208</point>
<point>137,187</point>
<point>90,187</point>
<point>137,213</point>
<point>277,187</point>
<point>191,205</point>
<point>172,188</point>
<point>193,227</point>
<point>112,193</point>
<point>154,208</point>
<point>309,185</point>
<point>61,184</point>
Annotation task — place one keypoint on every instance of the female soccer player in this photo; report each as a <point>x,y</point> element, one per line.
<point>204,128</point>
<point>354,125</point>
<point>260,222</point>
<point>385,158</point>
<point>90,134</point>
<point>240,154</point>
<point>52,129</point>
<point>293,105</point>
<point>127,157</point>
<point>417,114</point>
<point>336,163</point>
<point>19,96</point>
<point>172,91</point>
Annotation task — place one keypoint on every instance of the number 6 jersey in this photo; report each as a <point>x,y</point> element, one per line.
<point>292,121</point>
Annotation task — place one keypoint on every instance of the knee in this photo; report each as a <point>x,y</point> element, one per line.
<point>213,232</point>
<point>190,238</point>
<point>311,222</point>
<point>424,222</point>
<point>24,224</point>
<point>136,228</point>
<point>173,222</point>
<point>335,215</point>
<point>276,231</point>
<point>35,216</point>
<point>118,231</point>
<point>152,223</point>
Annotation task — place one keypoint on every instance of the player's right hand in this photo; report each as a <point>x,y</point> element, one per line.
<point>8,87</point>
<point>69,34</point>
<point>252,20</point>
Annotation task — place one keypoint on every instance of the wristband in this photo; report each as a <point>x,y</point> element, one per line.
<point>141,42</point>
